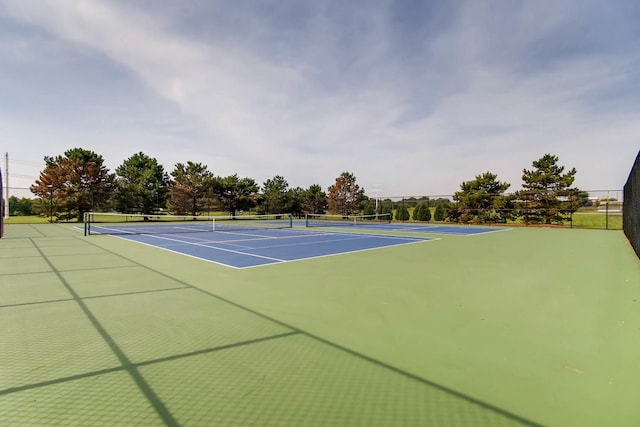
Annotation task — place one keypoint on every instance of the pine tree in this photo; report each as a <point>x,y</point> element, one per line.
<point>345,196</point>
<point>74,183</point>
<point>422,212</point>
<point>481,200</point>
<point>440,212</point>
<point>543,188</point>
<point>402,213</point>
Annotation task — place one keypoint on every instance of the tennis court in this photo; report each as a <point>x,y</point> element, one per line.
<point>371,222</point>
<point>451,230</point>
<point>253,248</point>
<point>450,331</point>
<point>239,242</point>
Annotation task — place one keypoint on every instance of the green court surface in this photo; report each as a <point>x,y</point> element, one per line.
<point>531,326</point>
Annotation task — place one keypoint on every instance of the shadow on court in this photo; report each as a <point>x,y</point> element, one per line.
<point>101,330</point>
<point>92,337</point>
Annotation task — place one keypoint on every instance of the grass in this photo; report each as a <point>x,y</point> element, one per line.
<point>30,219</point>
<point>581,219</point>
<point>597,220</point>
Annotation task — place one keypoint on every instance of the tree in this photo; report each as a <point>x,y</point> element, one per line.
<point>236,193</point>
<point>416,211</point>
<point>386,207</point>
<point>481,200</point>
<point>74,183</point>
<point>402,213</point>
<point>422,212</point>
<point>142,184</point>
<point>439,213</point>
<point>21,207</point>
<point>369,210</point>
<point>274,195</point>
<point>314,200</point>
<point>191,185</point>
<point>575,199</point>
<point>295,201</point>
<point>345,195</point>
<point>44,207</point>
<point>439,200</point>
<point>545,191</point>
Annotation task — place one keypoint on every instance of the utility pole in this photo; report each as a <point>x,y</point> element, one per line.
<point>6,187</point>
<point>376,192</point>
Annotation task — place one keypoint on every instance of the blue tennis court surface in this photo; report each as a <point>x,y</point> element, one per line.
<point>252,248</point>
<point>456,230</point>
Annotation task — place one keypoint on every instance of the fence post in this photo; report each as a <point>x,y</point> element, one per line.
<point>571,219</point>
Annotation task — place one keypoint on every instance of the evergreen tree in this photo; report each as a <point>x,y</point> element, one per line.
<point>416,212</point>
<point>369,210</point>
<point>402,213</point>
<point>295,202</point>
<point>274,195</point>
<point>440,212</point>
<point>142,184</point>
<point>481,200</point>
<point>345,196</point>
<point>191,185</point>
<point>314,200</point>
<point>22,206</point>
<point>386,207</point>
<point>74,183</point>
<point>236,193</point>
<point>422,212</point>
<point>545,191</point>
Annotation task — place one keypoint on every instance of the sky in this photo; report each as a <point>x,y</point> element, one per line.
<point>412,97</point>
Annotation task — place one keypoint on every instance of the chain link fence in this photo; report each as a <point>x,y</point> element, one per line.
<point>601,209</point>
<point>631,215</point>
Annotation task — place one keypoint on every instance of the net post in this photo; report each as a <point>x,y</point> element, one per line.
<point>2,208</point>
<point>84,218</point>
<point>290,220</point>
<point>213,224</point>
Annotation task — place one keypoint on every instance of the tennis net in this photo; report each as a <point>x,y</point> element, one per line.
<point>115,223</point>
<point>324,220</point>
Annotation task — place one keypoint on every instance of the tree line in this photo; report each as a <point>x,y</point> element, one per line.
<point>78,181</point>
<point>547,197</point>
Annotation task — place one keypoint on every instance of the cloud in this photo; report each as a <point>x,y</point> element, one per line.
<point>415,100</point>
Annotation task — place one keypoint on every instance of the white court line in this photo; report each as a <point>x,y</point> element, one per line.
<point>342,253</point>
<point>428,229</point>
<point>348,236</point>
<point>164,248</point>
<point>214,247</point>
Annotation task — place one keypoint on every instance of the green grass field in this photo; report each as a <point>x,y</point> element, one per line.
<point>30,219</point>
<point>597,220</point>
<point>532,326</point>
